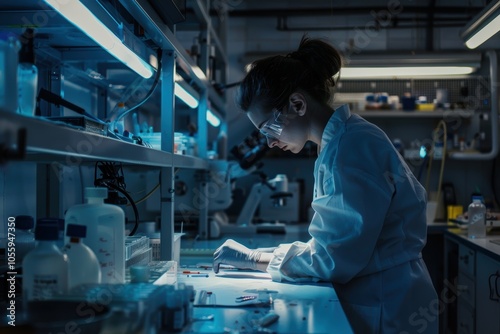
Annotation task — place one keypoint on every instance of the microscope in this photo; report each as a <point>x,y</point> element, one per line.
<point>269,197</point>
<point>279,195</point>
<point>274,190</point>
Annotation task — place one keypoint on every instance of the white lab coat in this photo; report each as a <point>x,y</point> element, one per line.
<point>367,232</point>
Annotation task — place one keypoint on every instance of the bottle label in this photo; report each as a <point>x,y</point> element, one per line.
<point>110,252</point>
<point>105,254</point>
<point>478,217</point>
<point>45,286</point>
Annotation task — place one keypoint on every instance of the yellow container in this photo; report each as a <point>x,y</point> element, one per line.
<point>424,106</point>
<point>454,211</point>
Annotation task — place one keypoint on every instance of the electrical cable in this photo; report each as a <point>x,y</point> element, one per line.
<point>132,203</point>
<point>151,89</point>
<point>442,125</point>
<point>148,194</point>
<point>112,178</point>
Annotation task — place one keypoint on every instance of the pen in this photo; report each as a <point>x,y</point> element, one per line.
<point>191,272</point>
<point>198,275</point>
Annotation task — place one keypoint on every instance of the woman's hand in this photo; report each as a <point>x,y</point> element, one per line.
<point>237,255</point>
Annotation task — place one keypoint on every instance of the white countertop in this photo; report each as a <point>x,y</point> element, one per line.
<point>485,245</point>
<point>302,308</point>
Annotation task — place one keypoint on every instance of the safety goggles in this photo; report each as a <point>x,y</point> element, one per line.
<point>273,127</point>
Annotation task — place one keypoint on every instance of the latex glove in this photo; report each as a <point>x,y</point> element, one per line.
<point>266,249</point>
<point>237,255</point>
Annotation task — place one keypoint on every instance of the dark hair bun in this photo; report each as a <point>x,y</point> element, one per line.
<point>319,56</point>
<point>312,68</point>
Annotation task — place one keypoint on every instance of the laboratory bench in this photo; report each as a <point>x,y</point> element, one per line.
<point>233,301</point>
<point>237,301</point>
<point>466,274</point>
<point>242,301</point>
<point>472,266</point>
<point>301,308</point>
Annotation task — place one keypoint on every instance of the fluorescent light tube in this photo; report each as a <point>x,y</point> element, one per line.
<point>483,26</point>
<point>79,15</point>
<point>184,95</point>
<point>403,72</point>
<point>212,119</point>
<point>192,102</point>
<point>484,34</point>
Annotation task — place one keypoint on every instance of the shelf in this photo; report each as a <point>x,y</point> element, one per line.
<point>203,16</point>
<point>414,114</point>
<point>161,34</point>
<point>49,142</point>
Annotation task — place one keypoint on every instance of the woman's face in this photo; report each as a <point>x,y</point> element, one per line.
<point>284,129</point>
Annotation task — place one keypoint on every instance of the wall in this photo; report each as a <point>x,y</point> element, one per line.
<point>259,35</point>
<point>250,35</point>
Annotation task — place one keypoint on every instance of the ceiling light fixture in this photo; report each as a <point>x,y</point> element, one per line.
<point>483,26</point>
<point>404,66</point>
<point>84,19</point>
<point>403,72</point>
<point>187,97</point>
<point>212,119</point>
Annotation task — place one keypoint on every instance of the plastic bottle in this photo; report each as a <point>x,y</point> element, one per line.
<point>105,232</point>
<point>477,218</point>
<point>59,222</point>
<point>9,60</point>
<point>83,263</point>
<point>25,238</point>
<point>27,75</point>
<point>45,268</point>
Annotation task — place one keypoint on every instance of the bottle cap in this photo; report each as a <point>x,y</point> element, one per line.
<point>75,230</point>
<point>27,53</point>
<point>477,198</point>
<point>96,192</point>
<point>46,232</point>
<point>139,274</point>
<point>24,222</point>
<point>11,38</point>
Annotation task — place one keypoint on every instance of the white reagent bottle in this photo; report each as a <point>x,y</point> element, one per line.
<point>105,232</point>
<point>25,238</point>
<point>45,268</point>
<point>83,263</point>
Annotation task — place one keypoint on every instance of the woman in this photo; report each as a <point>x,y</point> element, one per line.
<point>369,225</point>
